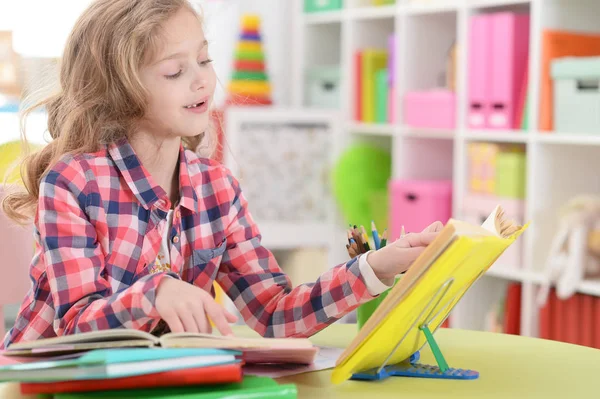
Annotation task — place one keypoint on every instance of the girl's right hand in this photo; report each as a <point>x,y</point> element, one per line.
<point>187,308</point>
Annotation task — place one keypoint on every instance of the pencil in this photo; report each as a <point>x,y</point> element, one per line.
<point>384,238</point>
<point>365,238</point>
<point>376,239</point>
<point>359,243</point>
<point>350,239</point>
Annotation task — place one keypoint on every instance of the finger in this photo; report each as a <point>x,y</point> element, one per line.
<point>201,320</point>
<point>230,316</point>
<point>217,314</point>
<point>186,315</point>
<point>173,322</point>
<point>417,240</point>
<point>434,227</point>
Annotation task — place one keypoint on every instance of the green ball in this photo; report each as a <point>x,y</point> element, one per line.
<point>360,184</point>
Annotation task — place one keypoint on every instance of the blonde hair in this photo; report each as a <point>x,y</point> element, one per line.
<point>100,96</point>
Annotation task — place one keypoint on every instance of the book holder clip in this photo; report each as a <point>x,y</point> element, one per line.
<point>411,367</point>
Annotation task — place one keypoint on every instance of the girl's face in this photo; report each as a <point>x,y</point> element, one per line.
<point>180,80</point>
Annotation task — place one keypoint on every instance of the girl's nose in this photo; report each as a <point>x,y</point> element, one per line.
<point>199,83</point>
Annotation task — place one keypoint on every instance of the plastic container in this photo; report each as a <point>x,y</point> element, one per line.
<point>323,87</point>
<point>576,97</point>
<point>322,5</point>
<point>434,109</point>
<point>415,204</point>
<point>510,174</point>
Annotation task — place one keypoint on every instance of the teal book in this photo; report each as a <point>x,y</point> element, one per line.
<point>113,363</point>
<point>381,96</point>
<point>250,387</point>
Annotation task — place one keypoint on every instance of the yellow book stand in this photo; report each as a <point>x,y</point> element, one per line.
<point>389,342</point>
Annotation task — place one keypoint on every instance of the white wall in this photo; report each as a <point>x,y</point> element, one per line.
<point>222,30</point>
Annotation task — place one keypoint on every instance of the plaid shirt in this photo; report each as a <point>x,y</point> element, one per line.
<point>98,230</point>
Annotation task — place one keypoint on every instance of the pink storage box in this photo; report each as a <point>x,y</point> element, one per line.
<point>415,204</point>
<point>435,109</point>
<point>476,208</point>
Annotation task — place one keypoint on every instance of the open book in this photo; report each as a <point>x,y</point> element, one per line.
<point>255,350</point>
<point>427,292</point>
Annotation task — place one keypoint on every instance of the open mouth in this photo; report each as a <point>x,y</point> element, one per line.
<point>201,103</point>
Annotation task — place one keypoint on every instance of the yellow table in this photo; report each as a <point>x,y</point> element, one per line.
<point>510,367</point>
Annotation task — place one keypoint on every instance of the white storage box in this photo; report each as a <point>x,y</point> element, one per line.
<point>576,95</point>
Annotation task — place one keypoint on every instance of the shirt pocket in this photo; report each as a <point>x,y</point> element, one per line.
<point>205,265</point>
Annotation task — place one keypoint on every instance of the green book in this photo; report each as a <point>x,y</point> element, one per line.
<point>250,387</point>
<point>381,96</point>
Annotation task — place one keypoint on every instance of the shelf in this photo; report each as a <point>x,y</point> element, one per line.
<point>590,287</point>
<point>372,129</point>
<point>566,138</point>
<point>559,165</point>
<point>501,136</point>
<point>442,134</point>
<point>325,17</point>
<point>361,13</point>
<point>419,8</point>
<point>508,273</point>
<point>278,236</point>
<point>495,3</point>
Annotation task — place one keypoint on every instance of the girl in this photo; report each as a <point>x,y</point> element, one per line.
<point>132,227</point>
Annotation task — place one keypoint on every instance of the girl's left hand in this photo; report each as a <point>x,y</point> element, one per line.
<point>397,257</point>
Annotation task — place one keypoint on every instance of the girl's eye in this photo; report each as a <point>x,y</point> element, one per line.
<point>175,76</point>
<point>204,63</point>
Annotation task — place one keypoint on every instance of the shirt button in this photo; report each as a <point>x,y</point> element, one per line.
<point>175,239</point>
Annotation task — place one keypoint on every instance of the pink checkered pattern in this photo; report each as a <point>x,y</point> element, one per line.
<point>98,229</point>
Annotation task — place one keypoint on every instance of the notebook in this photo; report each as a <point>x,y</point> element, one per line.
<point>249,387</point>
<point>206,375</point>
<point>428,291</point>
<point>255,350</point>
<point>116,363</point>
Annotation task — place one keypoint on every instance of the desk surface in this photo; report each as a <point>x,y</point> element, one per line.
<point>509,366</point>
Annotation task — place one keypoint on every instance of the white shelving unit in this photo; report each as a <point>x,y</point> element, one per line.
<point>558,166</point>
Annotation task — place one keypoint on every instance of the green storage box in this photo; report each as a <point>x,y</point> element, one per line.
<point>510,174</point>
<point>322,5</point>
<point>323,87</point>
<point>576,98</point>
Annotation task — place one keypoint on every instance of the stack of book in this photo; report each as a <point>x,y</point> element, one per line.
<point>129,363</point>
<point>375,82</point>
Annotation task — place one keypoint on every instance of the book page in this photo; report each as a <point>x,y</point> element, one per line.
<point>86,338</point>
<point>490,222</point>
<point>223,342</point>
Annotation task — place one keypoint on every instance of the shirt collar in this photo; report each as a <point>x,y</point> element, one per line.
<point>142,185</point>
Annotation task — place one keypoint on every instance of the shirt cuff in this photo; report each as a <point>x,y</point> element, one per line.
<point>374,285</point>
